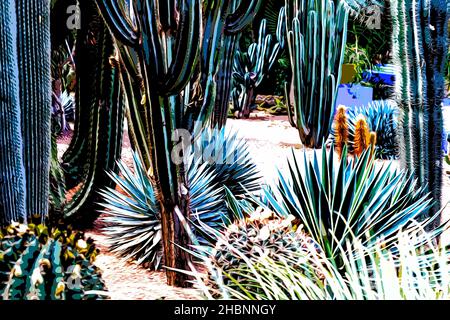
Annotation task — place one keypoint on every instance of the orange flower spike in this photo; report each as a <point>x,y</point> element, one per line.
<point>341,130</point>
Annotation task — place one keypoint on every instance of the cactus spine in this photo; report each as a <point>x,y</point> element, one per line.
<point>420,48</point>
<point>317,33</point>
<point>12,179</point>
<point>251,67</point>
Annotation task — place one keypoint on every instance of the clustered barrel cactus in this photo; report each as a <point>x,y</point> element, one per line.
<point>420,50</point>
<point>41,264</point>
<point>316,36</point>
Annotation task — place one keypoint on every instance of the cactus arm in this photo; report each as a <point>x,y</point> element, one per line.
<point>152,53</point>
<point>242,16</point>
<point>118,22</point>
<point>167,15</point>
<point>187,49</point>
<point>136,105</point>
<point>316,35</point>
<point>99,87</point>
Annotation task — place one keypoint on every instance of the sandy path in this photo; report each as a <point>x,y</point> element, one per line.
<point>128,281</point>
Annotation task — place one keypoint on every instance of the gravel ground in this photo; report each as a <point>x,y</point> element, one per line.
<point>271,139</point>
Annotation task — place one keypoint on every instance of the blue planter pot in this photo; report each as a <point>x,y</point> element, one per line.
<point>351,95</point>
<point>381,74</point>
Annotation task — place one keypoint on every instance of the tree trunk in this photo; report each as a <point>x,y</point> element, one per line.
<point>173,232</point>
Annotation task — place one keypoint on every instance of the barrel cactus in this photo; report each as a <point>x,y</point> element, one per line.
<point>245,242</point>
<point>37,263</point>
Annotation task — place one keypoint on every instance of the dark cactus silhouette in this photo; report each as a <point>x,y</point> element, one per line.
<point>100,112</point>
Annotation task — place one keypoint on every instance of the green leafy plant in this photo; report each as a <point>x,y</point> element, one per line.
<point>38,263</point>
<point>358,56</point>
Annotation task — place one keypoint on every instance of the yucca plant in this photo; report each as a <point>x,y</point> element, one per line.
<point>411,268</point>
<point>132,217</point>
<point>337,199</point>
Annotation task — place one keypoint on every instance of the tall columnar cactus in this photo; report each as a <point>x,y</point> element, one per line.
<point>223,25</point>
<point>420,50</point>
<point>252,66</point>
<point>162,46</point>
<point>317,32</point>
<point>25,109</point>
<point>33,30</point>
<point>97,141</point>
<point>12,179</point>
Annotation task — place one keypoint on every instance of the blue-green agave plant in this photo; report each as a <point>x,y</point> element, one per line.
<point>132,214</point>
<point>374,201</point>
<point>382,118</point>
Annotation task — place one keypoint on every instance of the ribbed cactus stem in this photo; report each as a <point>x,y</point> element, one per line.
<point>317,33</point>
<point>33,29</point>
<point>341,130</point>
<point>12,178</point>
<point>362,136</point>
<point>420,31</point>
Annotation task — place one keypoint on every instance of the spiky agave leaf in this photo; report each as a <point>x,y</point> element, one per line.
<point>228,154</point>
<point>133,218</point>
<point>326,194</point>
